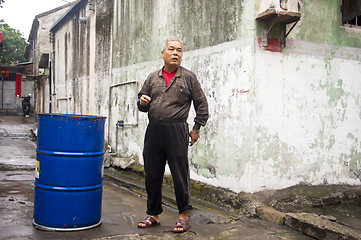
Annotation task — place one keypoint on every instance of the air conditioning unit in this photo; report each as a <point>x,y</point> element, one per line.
<point>280,5</point>
<point>288,5</point>
<point>281,12</point>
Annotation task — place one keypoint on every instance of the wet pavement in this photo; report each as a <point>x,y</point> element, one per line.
<point>122,208</point>
<point>15,131</point>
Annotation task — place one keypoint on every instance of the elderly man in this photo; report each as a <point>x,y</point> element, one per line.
<point>167,95</point>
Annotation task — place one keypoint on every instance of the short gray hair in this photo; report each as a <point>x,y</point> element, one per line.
<point>171,39</point>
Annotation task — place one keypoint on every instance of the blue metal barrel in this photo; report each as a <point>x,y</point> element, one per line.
<point>69,172</point>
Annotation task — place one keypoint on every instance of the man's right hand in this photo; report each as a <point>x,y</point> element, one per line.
<point>144,100</point>
<point>194,135</point>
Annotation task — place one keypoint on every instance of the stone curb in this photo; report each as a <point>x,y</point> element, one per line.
<point>319,227</point>
<point>271,214</point>
<point>134,185</point>
<point>313,225</point>
<point>214,214</point>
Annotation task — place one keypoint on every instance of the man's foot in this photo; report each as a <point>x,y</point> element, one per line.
<point>150,221</point>
<point>181,226</point>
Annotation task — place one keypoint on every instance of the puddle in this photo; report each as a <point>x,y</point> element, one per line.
<point>14,192</point>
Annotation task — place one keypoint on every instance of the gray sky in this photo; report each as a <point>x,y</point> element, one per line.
<point>19,14</point>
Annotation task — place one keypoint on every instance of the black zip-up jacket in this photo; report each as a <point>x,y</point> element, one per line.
<point>174,102</point>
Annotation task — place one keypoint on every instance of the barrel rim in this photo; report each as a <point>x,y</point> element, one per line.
<point>77,116</point>
<point>58,229</point>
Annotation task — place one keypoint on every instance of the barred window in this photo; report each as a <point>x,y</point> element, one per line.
<point>351,12</point>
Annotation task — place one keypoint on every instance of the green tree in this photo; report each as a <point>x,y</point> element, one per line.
<point>1,3</point>
<point>13,45</point>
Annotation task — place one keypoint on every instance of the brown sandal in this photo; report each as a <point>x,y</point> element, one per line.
<point>183,224</point>
<point>149,222</point>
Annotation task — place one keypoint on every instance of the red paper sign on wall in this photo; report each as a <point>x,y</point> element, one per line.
<point>18,85</point>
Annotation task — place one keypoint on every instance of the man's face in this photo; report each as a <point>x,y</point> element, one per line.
<point>172,55</point>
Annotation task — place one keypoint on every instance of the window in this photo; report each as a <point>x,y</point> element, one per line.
<point>351,12</point>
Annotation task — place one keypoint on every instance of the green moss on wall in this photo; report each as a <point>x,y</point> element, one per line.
<point>321,23</point>
<point>140,27</point>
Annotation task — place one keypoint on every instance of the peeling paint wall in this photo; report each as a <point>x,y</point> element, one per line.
<point>307,104</point>
<point>277,118</point>
<point>81,60</point>
<point>141,27</point>
<point>307,111</point>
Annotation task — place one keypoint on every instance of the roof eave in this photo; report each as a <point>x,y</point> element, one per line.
<point>70,13</point>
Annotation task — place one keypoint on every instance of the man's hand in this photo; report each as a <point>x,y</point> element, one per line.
<point>144,100</point>
<point>194,135</point>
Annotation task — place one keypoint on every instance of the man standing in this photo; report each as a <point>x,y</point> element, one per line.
<point>167,95</point>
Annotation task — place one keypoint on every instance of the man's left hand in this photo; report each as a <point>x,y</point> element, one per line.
<point>194,135</point>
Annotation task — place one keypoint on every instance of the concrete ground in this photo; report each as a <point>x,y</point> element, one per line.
<point>123,205</point>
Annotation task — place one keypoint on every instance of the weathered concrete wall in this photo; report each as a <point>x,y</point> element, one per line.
<point>39,40</point>
<point>277,118</point>
<point>81,81</point>
<point>308,118</point>
<point>63,74</point>
<point>324,26</point>
<point>306,105</point>
<point>140,27</point>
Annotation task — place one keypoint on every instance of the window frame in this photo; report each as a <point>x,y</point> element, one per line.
<point>350,11</point>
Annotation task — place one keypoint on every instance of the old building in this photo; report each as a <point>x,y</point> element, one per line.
<point>14,84</point>
<point>38,52</point>
<point>282,80</point>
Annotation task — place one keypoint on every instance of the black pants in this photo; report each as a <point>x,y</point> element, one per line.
<point>166,141</point>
